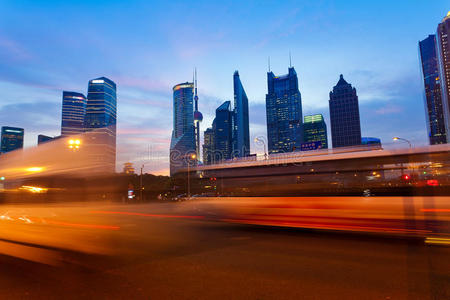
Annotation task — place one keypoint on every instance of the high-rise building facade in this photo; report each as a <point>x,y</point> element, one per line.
<point>73,113</point>
<point>315,130</point>
<point>370,141</point>
<point>100,124</point>
<point>223,132</point>
<point>344,115</point>
<point>183,142</point>
<point>433,95</point>
<point>241,129</point>
<point>283,112</point>
<point>443,51</point>
<point>44,139</point>
<point>11,139</point>
<point>208,146</point>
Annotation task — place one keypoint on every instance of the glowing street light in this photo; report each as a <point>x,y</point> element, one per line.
<point>259,141</point>
<point>192,156</point>
<point>74,144</point>
<point>396,138</point>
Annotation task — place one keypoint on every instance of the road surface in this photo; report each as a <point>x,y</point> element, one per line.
<point>151,251</point>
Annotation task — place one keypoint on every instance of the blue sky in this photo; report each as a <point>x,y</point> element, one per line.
<point>147,47</point>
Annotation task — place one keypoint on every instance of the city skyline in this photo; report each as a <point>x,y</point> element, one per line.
<point>392,91</point>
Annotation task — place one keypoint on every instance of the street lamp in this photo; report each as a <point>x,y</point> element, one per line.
<point>74,144</point>
<point>190,156</point>
<point>140,188</point>
<point>261,141</point>
<point>396,138</point>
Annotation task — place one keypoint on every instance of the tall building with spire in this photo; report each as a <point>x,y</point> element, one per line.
<point>241,129</point>
<point>283,112</point>
<point>443,52</point>
<point>433,92</point>
<point>344,115</point>
<point>183,141</point>
<point>198,118</point>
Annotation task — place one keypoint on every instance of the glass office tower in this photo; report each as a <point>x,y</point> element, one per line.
<point>433,95</point>
<point>315,130</point>
<point>283,112</point>
<point>100,124</point>
<point>183,143</point>
<point>223,132</point>
<point>443,51</point>
<point>73,113</point>
<point>208,146</point>
<point>11,139</point>
<point>241,130</point>
<point>344,115</point>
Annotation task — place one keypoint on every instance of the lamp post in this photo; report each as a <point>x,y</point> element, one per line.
<point>190,156</point>
<point>140,188</point>
<point>261,141</point>
<point>396,138</point>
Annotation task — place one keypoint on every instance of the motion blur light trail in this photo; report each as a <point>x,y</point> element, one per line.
<point>145,215</point>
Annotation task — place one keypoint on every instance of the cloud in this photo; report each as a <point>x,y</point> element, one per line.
<point>10,50</point>
<point>389,109</point>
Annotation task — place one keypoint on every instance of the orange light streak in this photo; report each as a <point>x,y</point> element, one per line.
<point>143,214</point>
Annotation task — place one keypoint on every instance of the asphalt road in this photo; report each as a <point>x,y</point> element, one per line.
<point>150,252</point>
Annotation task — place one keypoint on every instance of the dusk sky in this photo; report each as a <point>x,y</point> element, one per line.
<point>147,47</point>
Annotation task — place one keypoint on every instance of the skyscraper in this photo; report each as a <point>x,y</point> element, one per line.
<point>241,131</point>
<point>73,113</point>
<point>223,132</point>
<point>100,123</point>
<point>283,112</point>
<point>344,115</point>
<point>208,146</point>
<point>11,139</point>
<point>433,95</point>
<point>183,141</point>
<point>315,130</point>
<point>443,50</point>
<point>44,139</point>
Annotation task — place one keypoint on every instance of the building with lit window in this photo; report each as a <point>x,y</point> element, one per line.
<point>443,52</point>
<point>128,168</point>
<point>208,146</point>
<point>73,113</point>
<point>283,112</point>
<point>370,141</point>
<point>183,142</point>
<point>344,115</point>
<point>433,94</point>
<point>218,140</point>
<point>11,139</point>
<point>223,132</point>
<point>241,129</point>
<point>315,130</point>
<point>100,124</point>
